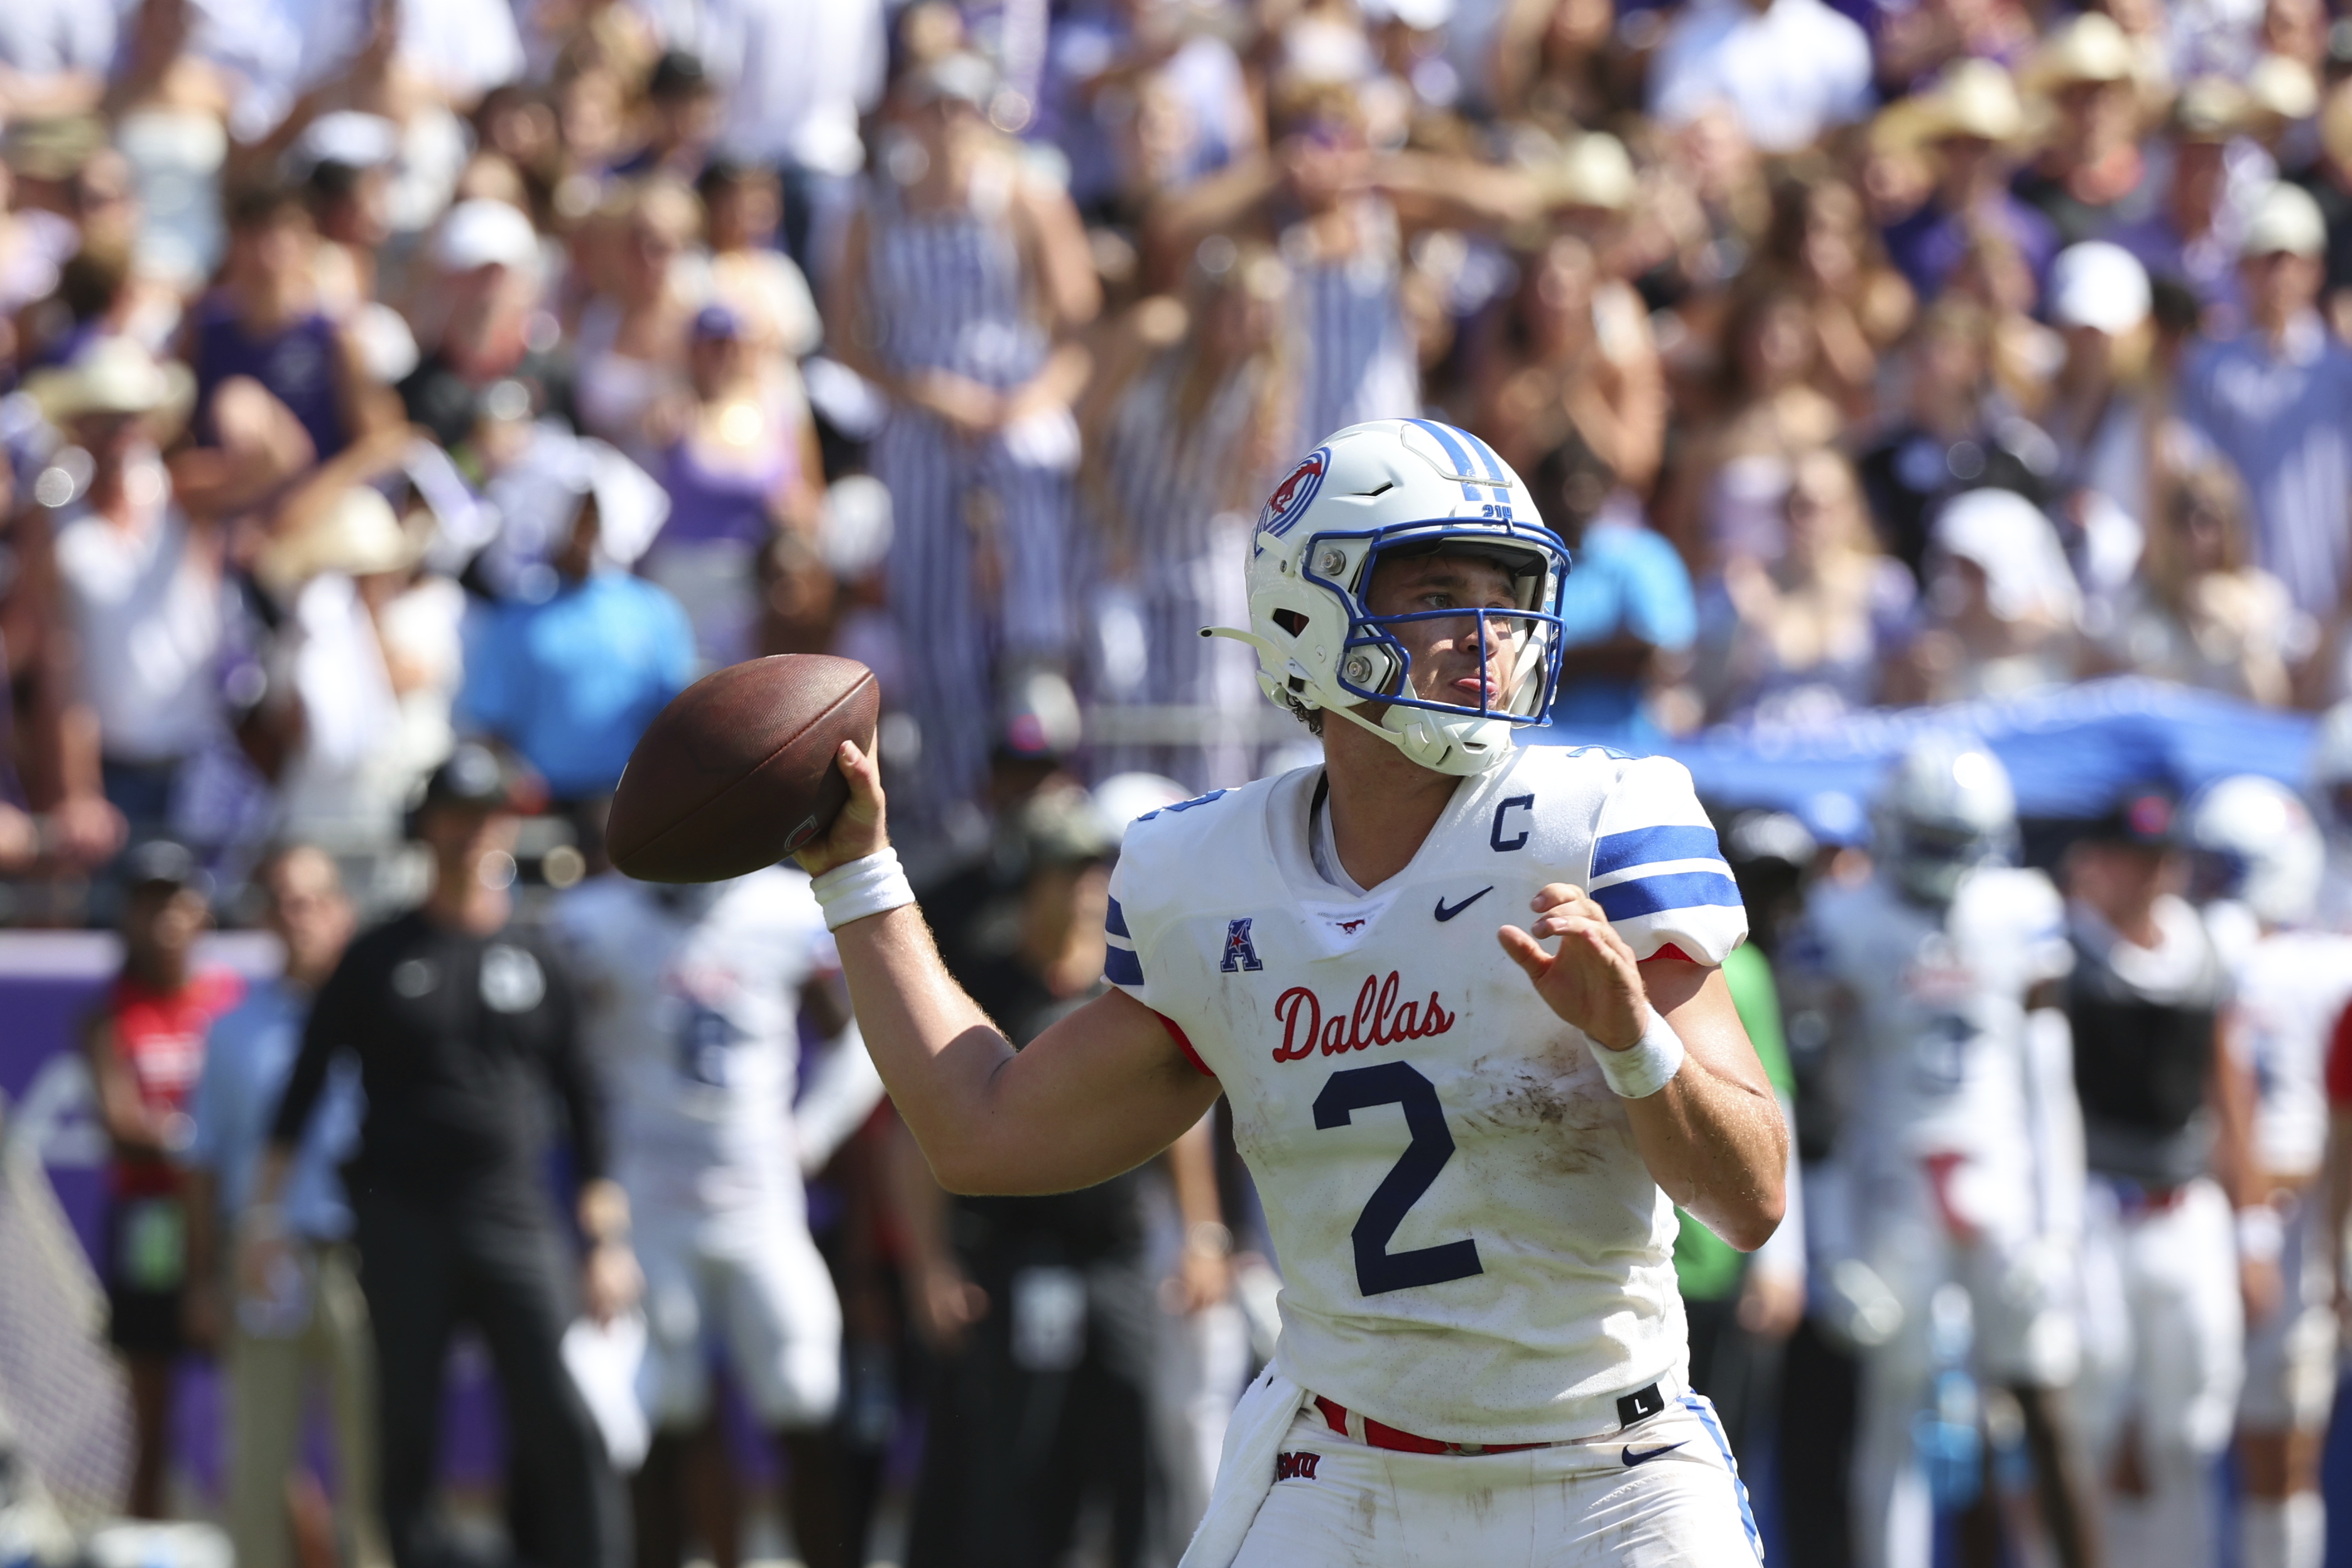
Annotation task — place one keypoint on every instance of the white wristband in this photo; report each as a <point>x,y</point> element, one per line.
<point>1646,1066</point>
<point>859,888</point>
<point>2262,1234</point>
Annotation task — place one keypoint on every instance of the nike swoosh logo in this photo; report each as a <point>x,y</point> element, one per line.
<point>1643,1456</point>
<point>1446,914</point>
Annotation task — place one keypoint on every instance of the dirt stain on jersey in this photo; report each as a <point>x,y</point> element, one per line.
<point>1574,1128</point>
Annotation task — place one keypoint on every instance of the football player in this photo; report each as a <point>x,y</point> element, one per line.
<point>1469,1141</point>
<point>2164,1133</point>
<point>2254,844</point>
<point>693,1011</point>
<point>1962,1145</point>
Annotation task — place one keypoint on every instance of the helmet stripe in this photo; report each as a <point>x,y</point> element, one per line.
<point>1486,455</point>
<point>1444,435</point>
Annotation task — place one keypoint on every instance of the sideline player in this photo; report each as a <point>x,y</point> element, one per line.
<point>693,1010</point>
<point>2255,845</point>
<point>1964,1150</point>
<point>1468,1159</point>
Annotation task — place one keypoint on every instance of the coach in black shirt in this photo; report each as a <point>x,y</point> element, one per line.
<point>461,1024</point>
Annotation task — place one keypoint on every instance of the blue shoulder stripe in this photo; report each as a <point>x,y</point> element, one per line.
<point>1116,922</point>
<point>1643,846</point>
<point>1121,967</point>
<point>1677,891</point>
<point>1444,438</point>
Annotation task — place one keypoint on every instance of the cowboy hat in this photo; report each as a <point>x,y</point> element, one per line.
<point>358,536</point>
<point>113,378</point>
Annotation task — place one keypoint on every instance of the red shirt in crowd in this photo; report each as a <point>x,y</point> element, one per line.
<point>2339,1064</point>
<point>160,1038</point>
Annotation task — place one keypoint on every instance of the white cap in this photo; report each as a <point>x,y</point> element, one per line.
<point>482,233</point>
<point>2286,218</point>
<point>349,136</point>
<point>2096,284</point>
<point>1422,15</point>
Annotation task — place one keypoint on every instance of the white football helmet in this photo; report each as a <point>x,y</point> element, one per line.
<point>1946,809</point>
<point>2253,840</point>
<point>1389,489</point>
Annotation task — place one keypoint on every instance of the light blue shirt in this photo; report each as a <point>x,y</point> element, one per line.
<point>572,682</point>
<point>1623,578</point>
<point>2285,420</point>
<point>248,1058</point>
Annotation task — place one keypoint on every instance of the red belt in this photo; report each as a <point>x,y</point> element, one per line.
<point>1379,1437</point>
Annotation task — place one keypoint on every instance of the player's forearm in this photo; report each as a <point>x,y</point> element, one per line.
<point>1718,1150</point>
<point>934,1047</point>
<point>1714,1137</point>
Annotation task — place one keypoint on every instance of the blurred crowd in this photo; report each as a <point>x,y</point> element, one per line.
<point>403,399</point>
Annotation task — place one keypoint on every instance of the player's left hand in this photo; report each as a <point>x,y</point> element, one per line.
<point>1593,982</point>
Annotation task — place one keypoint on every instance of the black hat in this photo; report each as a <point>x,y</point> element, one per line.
<point>472,776</point>
<point>2146,814</point>
<point>162,863</point>
<point>676,75</point>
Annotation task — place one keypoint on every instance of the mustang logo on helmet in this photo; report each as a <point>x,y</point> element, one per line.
<point>1290,498</point>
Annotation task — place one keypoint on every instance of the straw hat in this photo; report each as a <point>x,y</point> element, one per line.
<point>113,378</point>
<point>1973,98</point>
<point>2091,48</point>
<point>358,536</point>
<point>2210,109</point>
<point>1594,172</point>
<point>2283,87</point>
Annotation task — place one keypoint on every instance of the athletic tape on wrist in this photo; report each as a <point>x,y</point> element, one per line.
<point>1646,1066</point>
<point>860,888</point>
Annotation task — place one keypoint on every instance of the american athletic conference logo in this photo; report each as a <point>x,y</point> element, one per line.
<point>1291,498</point>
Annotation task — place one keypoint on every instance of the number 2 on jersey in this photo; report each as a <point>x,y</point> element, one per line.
<point>1378,1269</point>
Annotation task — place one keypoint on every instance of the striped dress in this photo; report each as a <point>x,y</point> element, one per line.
<point>979,571</point>
<point>1181,512</point>
<point>1357,356</point>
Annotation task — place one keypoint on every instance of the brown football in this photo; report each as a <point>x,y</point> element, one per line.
<point>738,772</point>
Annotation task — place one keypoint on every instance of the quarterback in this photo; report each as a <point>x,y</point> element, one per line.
<point>1469,1141</point>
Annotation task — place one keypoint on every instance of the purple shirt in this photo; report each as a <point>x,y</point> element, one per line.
<point>1929,245</point>
<point>297,364</point>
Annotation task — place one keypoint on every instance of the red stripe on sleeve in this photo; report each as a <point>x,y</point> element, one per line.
<point>1670,950</point>
<point>1185,1045</point>
<point>2339,1063</point>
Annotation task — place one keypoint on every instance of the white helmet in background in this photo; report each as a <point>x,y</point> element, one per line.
<point>2331,771</point>
<point>1946,809</point>
<point>1389,489</point>
<point>2254,841</point>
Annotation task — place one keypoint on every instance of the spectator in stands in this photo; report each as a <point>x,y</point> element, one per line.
<point>742,474</point>
<point>2278,401</point>
<point>2003,607</point>
<point>1570,357</point>
<point>630,354</point>
<point>1626,614</point>
<point>1821,240</point>
<point>143,580</point>
<point>1190,422</point>
<point>2193,238</point>
<point>264,326</point>
<point>571,681</point>
<point>742,205</point>
<point>680,113</point>
<point>964,281</point>
<point>2090,167</point>
<point>1970,124</point>
<point>463,1026</point>
<point>478,336</point>
<point>1808,633</point>
<point>313,1320</point>
<point>2198,611</point>
<point>1790,70</point>
<point>145,1046</point>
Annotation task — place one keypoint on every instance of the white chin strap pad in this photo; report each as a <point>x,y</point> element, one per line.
<point>1461,744</point>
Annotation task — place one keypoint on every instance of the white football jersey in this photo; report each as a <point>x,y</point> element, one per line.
<point>1471,1246</point>
<point>1941,996</point>
<point>692,1006</point>
<point>2291,986</point>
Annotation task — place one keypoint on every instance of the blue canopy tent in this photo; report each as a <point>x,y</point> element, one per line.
<point>2069,751</point>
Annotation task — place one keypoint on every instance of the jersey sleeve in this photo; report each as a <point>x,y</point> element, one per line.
<point>1657,871</point>
<point>1126,963</point>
